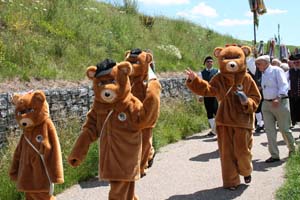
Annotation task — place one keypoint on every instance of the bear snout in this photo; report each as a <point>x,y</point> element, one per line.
<point>231,66</point>
<point>108,95</point>
<point>26,122</point>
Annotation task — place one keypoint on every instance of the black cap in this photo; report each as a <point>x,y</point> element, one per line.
<point>135,52</point>
<point>104,67</point>
<point>207,58</point>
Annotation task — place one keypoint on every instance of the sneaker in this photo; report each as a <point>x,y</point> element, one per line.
<point>271,160</point>
<point>210,134</point>
<point>259,129</point>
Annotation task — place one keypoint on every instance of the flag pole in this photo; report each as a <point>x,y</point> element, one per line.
<point>254,25</point>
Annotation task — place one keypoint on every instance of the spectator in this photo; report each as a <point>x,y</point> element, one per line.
<point>210,103</point>
<point>275,106</point>
<point>256,75</point>
<point>276,62</point>
<point>294,93</point>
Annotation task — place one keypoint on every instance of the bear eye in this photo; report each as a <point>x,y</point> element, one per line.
<point>99,84</point>
<point>25,111</point>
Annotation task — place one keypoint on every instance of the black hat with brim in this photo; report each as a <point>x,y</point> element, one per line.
<point>104,67</point>
<point>295,56</point>
<point>207,58</point>
<point>135,52</point>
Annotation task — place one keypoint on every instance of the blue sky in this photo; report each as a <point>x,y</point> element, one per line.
<point>231,17</point>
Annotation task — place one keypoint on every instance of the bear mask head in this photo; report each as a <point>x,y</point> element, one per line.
<point>232,58</point>
<point>31,108</point>
<point>111,83</point>
<point>140,61</point>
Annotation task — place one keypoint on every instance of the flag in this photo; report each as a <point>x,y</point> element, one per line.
<point>258,8</point>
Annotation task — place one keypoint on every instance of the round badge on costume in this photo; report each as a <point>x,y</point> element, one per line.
<point>145,82</point>
<point>39,138</point>
<point>239,87</point>
<point>122,116</point>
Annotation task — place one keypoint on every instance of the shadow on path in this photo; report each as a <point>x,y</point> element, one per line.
<point>92,183</point>
<point>262,166</point>
<point>206,156</point>
<point>212,194</point>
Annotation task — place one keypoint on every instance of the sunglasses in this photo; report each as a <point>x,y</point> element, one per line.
<point>297,62</point>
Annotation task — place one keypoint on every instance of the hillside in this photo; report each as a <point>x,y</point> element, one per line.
<point>58,39</point>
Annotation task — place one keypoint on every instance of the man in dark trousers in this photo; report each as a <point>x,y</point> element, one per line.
<point>294,93</point>
<point>210,103</point>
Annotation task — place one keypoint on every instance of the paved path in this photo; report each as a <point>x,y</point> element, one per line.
<point>190,169</point>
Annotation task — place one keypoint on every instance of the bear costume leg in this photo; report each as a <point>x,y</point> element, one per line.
<point>38,196</point>
<point>122,190</point>
<point>147,149</point>
<point>235,152</point>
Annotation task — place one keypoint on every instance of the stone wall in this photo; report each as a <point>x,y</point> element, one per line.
<point>67,102</point>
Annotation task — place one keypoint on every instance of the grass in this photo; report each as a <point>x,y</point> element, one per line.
<point>291,187</point>
<point>189,119</point>
<point>58,39</point>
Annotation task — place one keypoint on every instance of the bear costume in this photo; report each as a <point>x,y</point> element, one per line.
<point>37,161</point>
<point>141,62</point>
<point>238,98</point>
<point>116,118</point>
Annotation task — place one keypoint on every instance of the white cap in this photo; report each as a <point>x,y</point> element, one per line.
<point>276,60</point>
<point>284,66</point>
<point>264,57</point>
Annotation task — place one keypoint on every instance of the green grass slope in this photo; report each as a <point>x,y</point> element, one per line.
<point>58,39</point>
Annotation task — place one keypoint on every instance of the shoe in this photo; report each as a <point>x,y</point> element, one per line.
<point>247,179</point>
<point>271,160</point>
<point>259,129</point>
<point>143,175</point>
<point>210,134</point>
<point>150,162</point>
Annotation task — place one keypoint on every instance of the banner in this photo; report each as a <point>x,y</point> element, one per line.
<point>258,8</point>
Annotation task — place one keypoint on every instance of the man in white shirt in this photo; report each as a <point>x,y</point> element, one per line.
<point>275,106</point>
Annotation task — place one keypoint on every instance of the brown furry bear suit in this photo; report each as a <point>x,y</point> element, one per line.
<point>139,78</point>
<point>116,118</point>
<point>37,162</point>
<point>238,99</point>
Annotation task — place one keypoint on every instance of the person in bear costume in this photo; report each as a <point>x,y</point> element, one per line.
<point>238,98</point>
<point>143,73</point>
<point>116,118</point>
<point>37,161</point>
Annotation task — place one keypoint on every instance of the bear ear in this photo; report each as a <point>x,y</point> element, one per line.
<point>149,58</point>
<point>15,98</point>
<point>217,51</point>
<point>125,67</point>
<point>247,50</point>
<point>91,71</point>
<point>127,54</point>
<point>39,96</point>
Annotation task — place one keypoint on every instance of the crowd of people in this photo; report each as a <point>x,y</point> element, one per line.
<point>278,81</point>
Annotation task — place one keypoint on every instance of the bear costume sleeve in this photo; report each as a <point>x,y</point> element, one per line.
<point>88,135</point>
<point>13,172</point>
<point>151,105</point>
<point>53,156</point>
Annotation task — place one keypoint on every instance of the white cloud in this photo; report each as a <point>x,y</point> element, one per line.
<point>165,2</point>
<point>200,10</point>
<point>205,10</point>
<point>271,11</point>
<point>234,22</point>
